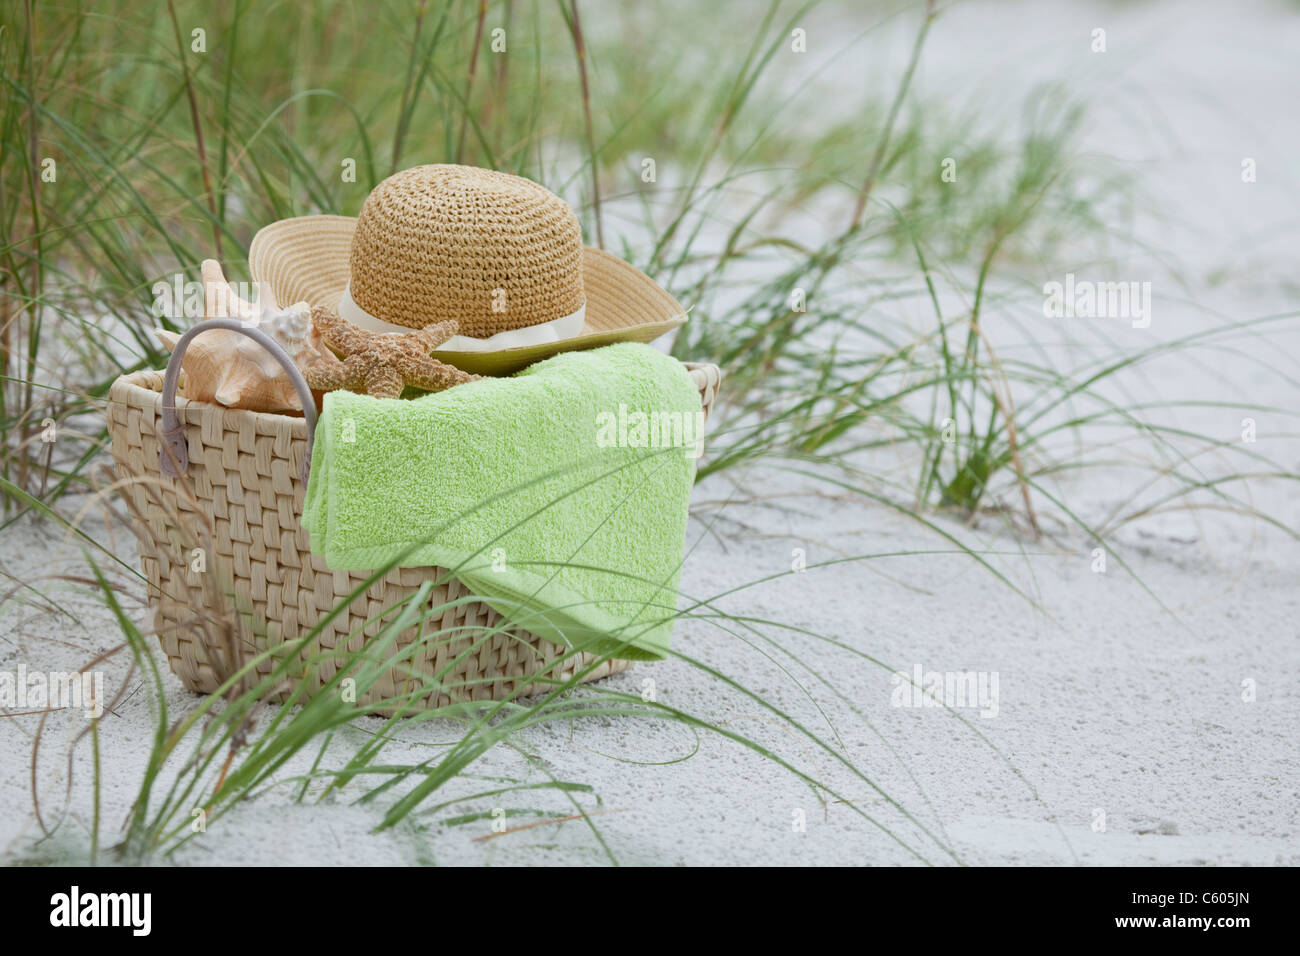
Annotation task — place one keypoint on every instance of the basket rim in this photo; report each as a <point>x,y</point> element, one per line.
<point>143,389</point>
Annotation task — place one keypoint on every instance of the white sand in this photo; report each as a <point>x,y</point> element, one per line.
<point>1107,701</point>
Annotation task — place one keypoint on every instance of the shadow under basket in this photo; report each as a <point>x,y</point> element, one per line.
<point>234,513</point>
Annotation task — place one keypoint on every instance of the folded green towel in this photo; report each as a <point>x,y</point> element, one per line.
<point>558,495</point>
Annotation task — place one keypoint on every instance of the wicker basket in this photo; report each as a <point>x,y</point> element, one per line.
<point>237,499</point>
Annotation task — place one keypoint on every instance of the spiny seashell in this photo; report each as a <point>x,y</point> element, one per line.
<point>226,368</point>
<point>221,300</point>
<point>230,369</point>
<point>290,326</point>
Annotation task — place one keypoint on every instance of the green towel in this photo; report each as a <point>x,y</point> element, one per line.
<point>558,495</point>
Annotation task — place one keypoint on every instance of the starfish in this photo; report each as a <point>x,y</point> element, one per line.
<point>381,363</point>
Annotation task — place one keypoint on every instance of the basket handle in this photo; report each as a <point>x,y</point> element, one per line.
<point>174,458</point>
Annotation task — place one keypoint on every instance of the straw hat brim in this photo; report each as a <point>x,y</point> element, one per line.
<point>307,258</point>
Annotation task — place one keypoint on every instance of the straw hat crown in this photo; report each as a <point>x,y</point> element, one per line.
<point>490,250</point>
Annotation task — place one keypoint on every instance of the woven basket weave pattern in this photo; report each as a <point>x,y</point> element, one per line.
<point>240,503</point>
<point>490,250</point>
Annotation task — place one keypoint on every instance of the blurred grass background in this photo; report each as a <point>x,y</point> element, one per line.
<point>177,130</point>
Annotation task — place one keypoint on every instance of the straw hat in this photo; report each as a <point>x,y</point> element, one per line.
<point>500,254</point>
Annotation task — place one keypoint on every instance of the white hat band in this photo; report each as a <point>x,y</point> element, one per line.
<point>556,330</point>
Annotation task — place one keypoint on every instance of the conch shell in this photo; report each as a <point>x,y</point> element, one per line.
<point>226,368</point>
